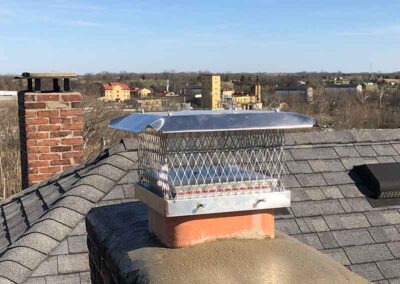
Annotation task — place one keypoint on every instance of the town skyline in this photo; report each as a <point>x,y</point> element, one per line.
<point>227,36</point>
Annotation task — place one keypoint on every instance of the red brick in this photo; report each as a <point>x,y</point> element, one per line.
<point>37,135</point>
<point>77,126</point>
<point>46,98</point>
<point>57,134</point>
<point>30,114</point>
<point>49,127</point>
<point>50,142</point>
<point>60,162</point>
<point>31,142</point>
<point>68,155</point>
<point>33,157</point>
<point>36,121</point>
<point>71,112</point>
<point>30,98</point>
<point>51,156</point>
<point>78,133</point>
<point>78,160</point>
<point>48,113</point>
<point>37,164</point>
<point>37,178</point>
<point>72,98</point>
<point>31,128</point>
<point>78,119</point>
<point>72,141</point>
<point>36,149</point>
<point>62,120</point>
<point>60,148</point>
<point>29,105</point>
<point>33,171</point>
<point>78,147</point>
<point>46,170</point>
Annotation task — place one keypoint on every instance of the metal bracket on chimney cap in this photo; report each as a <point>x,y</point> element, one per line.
<point>213,204</point>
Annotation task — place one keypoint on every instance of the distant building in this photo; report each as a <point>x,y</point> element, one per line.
<point>211,95</point>
<point>370,86</point>
<point>116,91</point>
<point>227,92</point>
<point>343,89</point>
<point>191,90</point>
<point>302,92</point>
<point>143,93</point>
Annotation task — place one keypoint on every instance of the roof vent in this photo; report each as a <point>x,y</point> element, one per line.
<point>382,180</point>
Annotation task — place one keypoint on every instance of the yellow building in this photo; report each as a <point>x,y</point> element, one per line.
<point>257,91</point>
<point>211,95</point>
<point>117,92</point>
<point>243,101</point>
<point>143,93</point>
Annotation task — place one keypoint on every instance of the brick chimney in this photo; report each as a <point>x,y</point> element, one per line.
<point>51,124</point>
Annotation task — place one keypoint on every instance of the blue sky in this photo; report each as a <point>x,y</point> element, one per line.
<point>188,35</point>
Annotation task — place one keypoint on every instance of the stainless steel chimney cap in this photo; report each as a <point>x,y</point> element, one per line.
<point>211,120</point>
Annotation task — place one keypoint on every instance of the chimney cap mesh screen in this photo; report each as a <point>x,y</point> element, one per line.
<point>192,165</point>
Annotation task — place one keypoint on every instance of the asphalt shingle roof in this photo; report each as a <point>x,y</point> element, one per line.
<point>328,210</point>
<point>43,236</point>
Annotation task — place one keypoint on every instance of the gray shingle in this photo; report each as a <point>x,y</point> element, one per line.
<point>80,229</point>
<point>310,179</point>
<point>349,163</point>
<point>108,171</point>
<point>36,280</point>
<point>327,239</point>
<point>346,151</point>
<point>129,190</point>
<point>347,221</point>
<point>390,268</point>
<point>310,239</point>
<point>287,226</point>
<point>99,182</point>
<point>337,178</point>
<point>88,192</point>
<point>384,150</point>
<point>368,253</point>
<point>338,255</point>
<point>62,248</point>
<point>77,244</point>
<point>350,190</point>
<point>65,216</point>
<point>298,167</point>
<point>39,242</point>
<point>368,270</point>
<point>64,279</point>
<point>316,208</point>
<point>131,177</point>
<point>130,143</point>
<point>302,225</point>
<point>316,224</point>
<point>326,165</point>
<point>117,161</point>
<point>314,193</point>
<point>353,205</point>
<point>385,159</point>
<point>115,193</point>
<point>13,271</point>
<point>331,192</point>
<point>28,257</point>
<point>47,267</point>
<point>396,146</point>
<point>74,203</point>
<point>394,248</point>
<point>290,181</point>
<point>85,278</point>
<point>313,153</point>
<point>70,263</point>
<point>385,234</point>
<point>50,228</point>
<point>353,237</point>
<point>379,218</point>
<point>366,151</point>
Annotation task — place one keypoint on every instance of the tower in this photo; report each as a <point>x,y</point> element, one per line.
<point>257,90</point>
<point>211,94</point>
